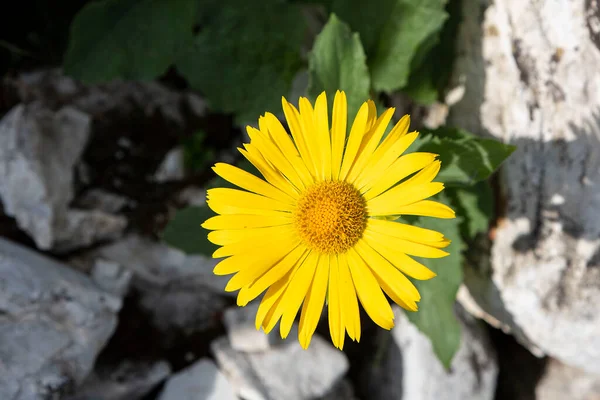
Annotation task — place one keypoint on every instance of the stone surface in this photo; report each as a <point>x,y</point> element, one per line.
<point>111,276</point>
<point>117,98</point>
<point>562,382</point>
<point>172,167</point>
<point>200,381</point>
<point>530,77</point>
<point>283,372</point>
<point>98,199</point>
<point>53,323</point>
<point>38,151</point>
<point>126,381</point>
<point>242,333</point>
<point>408,369</point>
<point>178,291</point>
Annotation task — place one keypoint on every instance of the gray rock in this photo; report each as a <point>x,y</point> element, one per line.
<point>111,276</point>
<point>178,291</point>
<point>561,382</point>
<point>38,151</point>
<point>53,323</point>
<point>530,78</point>
<point>342,391</point>
<point>126,381</point>
<point>172,167</point>
<point>201,381</point>
<point>242,333</point>
<point>98,199</point>
<point>117,98</point>
<point>408,368</point>
<point>283,372</point>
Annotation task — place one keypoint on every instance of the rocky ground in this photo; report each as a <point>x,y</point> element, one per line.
<point>94,306</point>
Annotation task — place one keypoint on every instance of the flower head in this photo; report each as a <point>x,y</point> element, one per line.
<point>318,228</point>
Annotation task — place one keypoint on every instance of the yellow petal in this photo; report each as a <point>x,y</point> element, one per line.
<point>272,176</point>
<point>249,244</point>
<point>244,221</point>
<point>296,292</point>
<point>400,260</point>
<point>334,315</point>
<point>247,181</point>
<point>285,144</point>
<point>356,135</point>
<point>307,121</point>
<point>426,175</point>
<point>391,201</point>
<point>369,292</point>
<point>292,117</point>
<point>400,169</point>
<point>254,270</point>
<point>292,260</point>
<point>224,237</point>
<point>338,132</point>
<point>348,300</point>
<point>404,231</point>
<point>427,208</point>
<point>240,198</point>
<point>265,316</point>
<point>369,144</point>
<point>322,134</point>
<point>372,114</point>
<point>273,154</point>
<point>383,159</point>
<point>313,304</point>
<point>394,283</point>
<point>406,246</point>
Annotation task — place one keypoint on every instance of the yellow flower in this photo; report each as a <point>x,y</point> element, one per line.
<point>319,226</point>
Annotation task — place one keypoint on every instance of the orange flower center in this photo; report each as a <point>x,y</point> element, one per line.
<point>331,217</point>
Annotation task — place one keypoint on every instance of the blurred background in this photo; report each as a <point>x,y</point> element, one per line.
<point>113,111</point>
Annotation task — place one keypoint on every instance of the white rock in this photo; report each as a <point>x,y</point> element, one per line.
<point>201,381</point>
<point>562,382</point>
<point>177,291</point>
<point>53,323</point>
<point>172,167</point>
<point>38,151</point>
<point>126,381</point>
<point>111,276</point>
<point>409,369</point>
<point>283,372</point>
<point>242,333</point>
<point>533,81</point>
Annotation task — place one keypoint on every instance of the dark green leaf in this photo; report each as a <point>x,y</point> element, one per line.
<point>391,32</point>
<point>466,159</point>
<point>432,64</point>
<point>128,39</point>
<point>475,204</point>
<point>337,61</point>
<point>245,56</point>
<point>185,233</point>
<point>436,318</point>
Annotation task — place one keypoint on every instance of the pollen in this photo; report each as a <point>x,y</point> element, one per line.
<point>331,217</point>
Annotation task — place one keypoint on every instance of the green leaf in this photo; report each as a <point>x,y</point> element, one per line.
<point>128,39</point>
<point>436,318</point>
<point>185,233</point>
<point>391,32</point>
<point>337,61</point>
<point>466,159</point>
<point>476,204</point>
<point>245,56</point>
<point>427,81</point>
